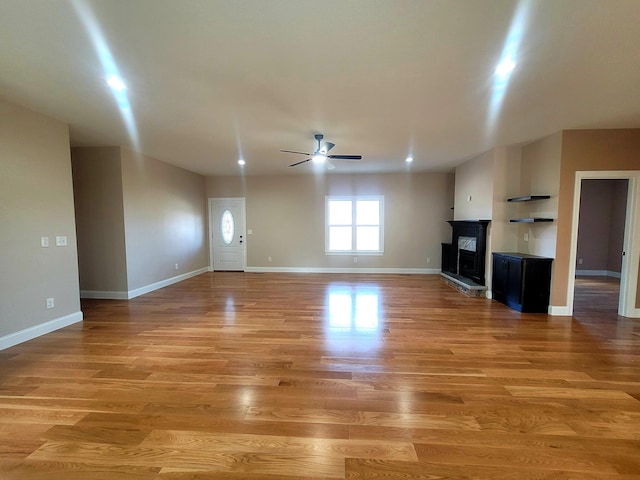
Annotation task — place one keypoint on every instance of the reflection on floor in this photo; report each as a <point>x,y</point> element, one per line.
<point>596,296</point>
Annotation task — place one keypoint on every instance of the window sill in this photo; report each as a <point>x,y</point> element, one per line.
<point>357,254</point>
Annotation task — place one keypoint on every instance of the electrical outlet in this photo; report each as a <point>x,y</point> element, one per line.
<point>468,198</point>
<point>579,261</point>
<point>50,303</point>
<point>269,259</point>
<point>176,266</point>
<point>428,260</point>
<point>526,237</point>
<point>355,259</point>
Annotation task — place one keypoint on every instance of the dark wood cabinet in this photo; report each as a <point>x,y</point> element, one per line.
<point>522,281</point>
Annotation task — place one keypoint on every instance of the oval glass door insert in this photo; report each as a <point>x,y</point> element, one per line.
<point>227,227</point>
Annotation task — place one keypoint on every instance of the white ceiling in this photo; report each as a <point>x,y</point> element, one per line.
<point>210,80</point>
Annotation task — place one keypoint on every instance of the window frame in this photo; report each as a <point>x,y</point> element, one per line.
<point>354,224</point>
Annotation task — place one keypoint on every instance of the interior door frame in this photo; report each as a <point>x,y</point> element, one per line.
<point>628,275</point>
<point>211,227</point>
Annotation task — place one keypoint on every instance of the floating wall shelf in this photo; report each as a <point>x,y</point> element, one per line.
<point>530,220</point>
<point>528,198</point>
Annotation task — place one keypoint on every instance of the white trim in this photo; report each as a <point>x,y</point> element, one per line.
<point>120,295</point>
<point>629,277</point>
<point>597,273</point>
<point>104,294</point>
<point>560,311</point>
<point>39,330</point>
<point>404,271</point>
<point>165,283</point>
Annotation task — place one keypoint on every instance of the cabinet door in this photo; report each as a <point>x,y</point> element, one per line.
<point>499,281</point>
<point>514,283</point>
<point>537,283</point>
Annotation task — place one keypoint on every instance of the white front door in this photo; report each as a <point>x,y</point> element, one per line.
<point>228,236</point>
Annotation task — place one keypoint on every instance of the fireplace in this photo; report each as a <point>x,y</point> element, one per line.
<point>465,255</point>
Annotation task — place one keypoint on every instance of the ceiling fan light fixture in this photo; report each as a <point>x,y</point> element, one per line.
<point>409,159</point>
<point>241,162</point>
<point>319,158</point>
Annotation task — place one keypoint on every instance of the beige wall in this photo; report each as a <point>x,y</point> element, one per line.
<point>503,235</point>
<point>588,150</point>
<point>540,175</point>
<point>97,186</point>
<point>287,214</point>
<point>474,179</point>
<point>36,200</point>
<point>601,228</point>
<point>164,219</point>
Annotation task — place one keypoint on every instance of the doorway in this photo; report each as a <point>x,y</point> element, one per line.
<point>227,234</point>
<point>600,245</point>
<point>626,305</point>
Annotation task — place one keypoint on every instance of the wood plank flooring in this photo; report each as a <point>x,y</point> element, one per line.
<point>305,376</point>
<point>596,296</point>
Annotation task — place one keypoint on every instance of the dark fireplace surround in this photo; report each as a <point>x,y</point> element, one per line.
<point>465,255</point>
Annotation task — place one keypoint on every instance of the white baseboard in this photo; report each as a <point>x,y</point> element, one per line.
<point>122,295</point>
<point>559,311</point>
<point>38,330</point>
<point>410,271</point>
<point>165,283</point>
<point>597,273</point>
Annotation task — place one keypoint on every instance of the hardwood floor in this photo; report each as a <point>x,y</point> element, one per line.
<point>596,296</point>
<point>285,376</point>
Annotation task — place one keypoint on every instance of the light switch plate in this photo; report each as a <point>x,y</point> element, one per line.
<point>44,242</point>
<point>61,241</point>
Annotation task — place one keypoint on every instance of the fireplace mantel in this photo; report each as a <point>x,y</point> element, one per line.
<point>471,264</point>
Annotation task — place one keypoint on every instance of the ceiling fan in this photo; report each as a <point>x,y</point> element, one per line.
<point>321,153</point>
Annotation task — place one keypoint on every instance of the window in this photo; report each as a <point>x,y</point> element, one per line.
<point>354,224</point>
<point>227,227</point>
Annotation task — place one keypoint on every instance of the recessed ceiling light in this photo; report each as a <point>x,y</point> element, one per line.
<point>409,159</point>
<point>505,67</point>
<point>241,162</point>
<point>116,83</point>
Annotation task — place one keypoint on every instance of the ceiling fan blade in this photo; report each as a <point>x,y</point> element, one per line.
<point>326,146</point>
<point>330,166</point>
<point>298,163</point>
<point>345,157</point>
<point>291,151</point>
